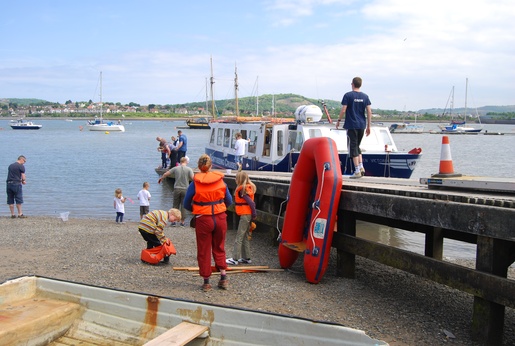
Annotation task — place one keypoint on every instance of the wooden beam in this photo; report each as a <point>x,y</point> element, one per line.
<point>493,288</point>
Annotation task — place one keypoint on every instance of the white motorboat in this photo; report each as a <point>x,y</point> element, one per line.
<point>20,124</point>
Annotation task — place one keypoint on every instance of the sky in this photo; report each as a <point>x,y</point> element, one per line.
<point>410,54</point>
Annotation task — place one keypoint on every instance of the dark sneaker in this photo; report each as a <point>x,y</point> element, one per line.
<point>223,284</point>
<point>206,287</point>
<point>22,216</point>
<point>13,216</point>
<point>245,261</point>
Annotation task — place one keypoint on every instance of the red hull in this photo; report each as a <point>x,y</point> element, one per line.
<point>311,214</point>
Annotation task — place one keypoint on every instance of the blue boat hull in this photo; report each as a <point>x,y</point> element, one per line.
<point>391,165</point>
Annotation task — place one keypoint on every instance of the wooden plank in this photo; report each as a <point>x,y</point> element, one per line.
<point>181,334</point>
<point>228,268</point>
<point>299,247</point>
<point>239,271</point>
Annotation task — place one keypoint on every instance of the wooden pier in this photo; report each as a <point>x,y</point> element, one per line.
<point>458,211</point>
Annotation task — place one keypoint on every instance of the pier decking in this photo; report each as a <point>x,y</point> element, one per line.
<point>483,218</point>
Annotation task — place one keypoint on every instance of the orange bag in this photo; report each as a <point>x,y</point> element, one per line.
<point>156,254</point>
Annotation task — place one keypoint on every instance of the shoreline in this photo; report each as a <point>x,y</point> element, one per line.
<point>385,303</point>
<point>184,118</point>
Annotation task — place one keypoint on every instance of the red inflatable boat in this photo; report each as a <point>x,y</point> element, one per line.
<point>310,215</point>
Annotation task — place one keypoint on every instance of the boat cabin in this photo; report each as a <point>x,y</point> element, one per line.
<point>274,145</point>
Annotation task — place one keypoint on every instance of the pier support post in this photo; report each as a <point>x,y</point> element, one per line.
<point>488,317</point>
<point>345,261</point>
<point>434,243</point>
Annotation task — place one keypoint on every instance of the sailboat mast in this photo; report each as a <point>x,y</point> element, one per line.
<point>257,96</point>
<point>206,97</point>
<point>466,92</point>
<point>236,90</point>
<point>212,93</point>
<point>101,95</point>
<point>273,105</point>
<point>451,106</point>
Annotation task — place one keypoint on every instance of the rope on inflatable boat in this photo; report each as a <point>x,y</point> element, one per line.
<point>316,205</point>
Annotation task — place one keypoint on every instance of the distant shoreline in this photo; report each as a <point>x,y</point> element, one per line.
<point>126,118</point>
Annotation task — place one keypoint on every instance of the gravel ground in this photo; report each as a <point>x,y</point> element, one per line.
<point>386,303</point>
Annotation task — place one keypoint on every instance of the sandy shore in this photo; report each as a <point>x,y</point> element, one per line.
<point>387,304</point>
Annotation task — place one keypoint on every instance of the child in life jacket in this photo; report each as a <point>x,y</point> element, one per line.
<point>246,209</point>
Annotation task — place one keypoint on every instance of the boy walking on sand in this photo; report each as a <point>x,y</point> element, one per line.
<point>144,200</point>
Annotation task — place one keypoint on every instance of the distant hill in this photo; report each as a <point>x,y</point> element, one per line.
<point>279,103</point>
<point>26,102</point>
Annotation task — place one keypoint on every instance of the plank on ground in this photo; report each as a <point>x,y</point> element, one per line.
<point>247,271</point>
<point>228,268</point>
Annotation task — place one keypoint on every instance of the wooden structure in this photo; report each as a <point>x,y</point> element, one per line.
<point>484,218</point>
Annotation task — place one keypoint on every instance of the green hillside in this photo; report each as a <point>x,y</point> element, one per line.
<point>25,102</point>
<point>281,104</point>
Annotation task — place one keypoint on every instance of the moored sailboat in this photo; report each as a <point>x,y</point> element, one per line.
<point>459,126</point>
<point>98,124</point>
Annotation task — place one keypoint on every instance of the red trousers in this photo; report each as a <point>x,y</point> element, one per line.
<point>210,231</point>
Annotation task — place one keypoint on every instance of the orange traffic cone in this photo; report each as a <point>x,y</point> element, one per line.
<point>446,167</point>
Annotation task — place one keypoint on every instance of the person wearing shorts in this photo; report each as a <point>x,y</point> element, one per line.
<point>15,181</point>
<point>354,106</point>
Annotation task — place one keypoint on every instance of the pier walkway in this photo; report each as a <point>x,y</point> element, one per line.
<point>481,217</point>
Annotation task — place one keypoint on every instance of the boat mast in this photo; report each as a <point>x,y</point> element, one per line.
<point>236,90</point>
<point>466,91</point>
<point>206,96</point>
<point>101,95</point>
<point>451,105</point>
<point>273,105</point>
<point>212,93</point>
<point>257,96</point>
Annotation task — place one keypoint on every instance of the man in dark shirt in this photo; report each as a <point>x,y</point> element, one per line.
<point>356,107</point>
<point>182,146</point>
<point>15,180</point>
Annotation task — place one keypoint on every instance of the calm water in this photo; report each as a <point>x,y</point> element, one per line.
<point>75,171</point>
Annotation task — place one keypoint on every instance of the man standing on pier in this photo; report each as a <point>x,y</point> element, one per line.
<point>354,105</point>
<point>182,145</point>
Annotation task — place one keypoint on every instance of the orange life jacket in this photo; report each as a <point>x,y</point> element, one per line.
<point>209,193</point>
<point>241,207</point>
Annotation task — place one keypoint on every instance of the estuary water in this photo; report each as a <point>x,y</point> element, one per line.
<point>69,170</point>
